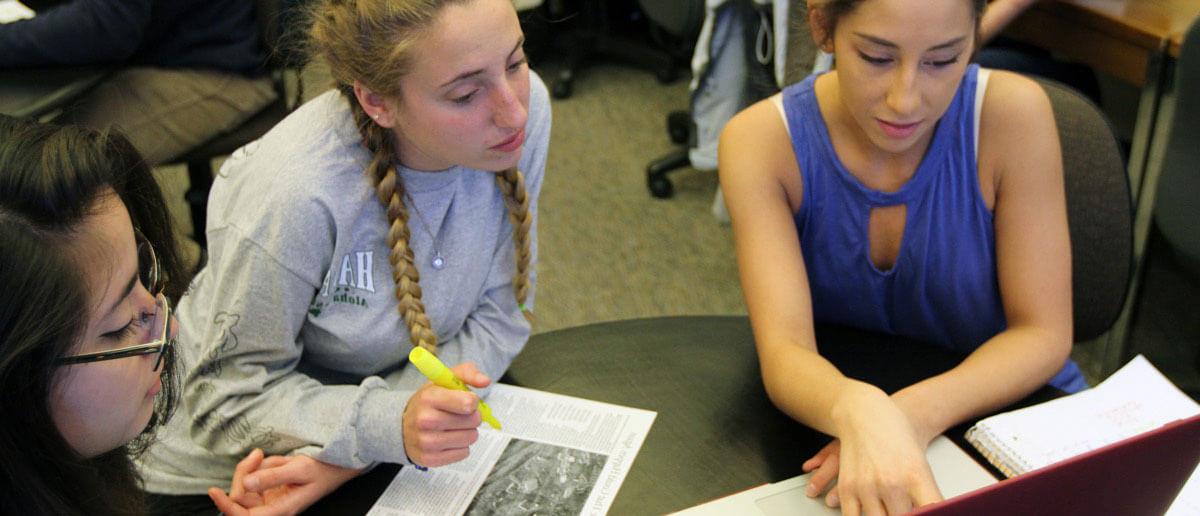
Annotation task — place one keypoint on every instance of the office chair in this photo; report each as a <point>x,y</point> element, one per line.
<point>273,17</point>
<point>1099,211</point>
<point>1177,199</point>
<point>670,23</point>
<point>682,131</point>
<point>674,25</point>
<point>721,81</point>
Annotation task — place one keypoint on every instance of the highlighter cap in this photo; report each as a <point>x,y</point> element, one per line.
<point>434,369</point>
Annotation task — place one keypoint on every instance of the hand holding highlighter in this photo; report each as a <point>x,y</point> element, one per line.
<point>442,376</point>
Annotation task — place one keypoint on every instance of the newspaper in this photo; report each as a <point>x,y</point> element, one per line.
<point>555,455</point>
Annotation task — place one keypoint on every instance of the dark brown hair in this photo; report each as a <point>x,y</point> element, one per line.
<point>51,179</point>
<point>830,11</point>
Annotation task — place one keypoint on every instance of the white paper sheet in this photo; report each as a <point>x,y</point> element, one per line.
<point>555,455</point>
<point>1132,400</point>
<point>954,471</point>
<point>13,10</point>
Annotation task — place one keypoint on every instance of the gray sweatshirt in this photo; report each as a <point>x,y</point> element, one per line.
<point>290,339</point>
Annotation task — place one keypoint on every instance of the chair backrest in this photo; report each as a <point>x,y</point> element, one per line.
<point>1099,211</point>
<point>1177,200</point>
<point>681,18</point>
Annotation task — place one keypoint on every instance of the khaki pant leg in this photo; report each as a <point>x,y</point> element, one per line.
<point>166,112</point>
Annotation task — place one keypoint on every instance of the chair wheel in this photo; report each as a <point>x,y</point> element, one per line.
<point>660,187</point>
<point>678,126</point>
<point>561,89</point>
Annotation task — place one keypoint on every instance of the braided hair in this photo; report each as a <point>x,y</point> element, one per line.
<point>370,41</point>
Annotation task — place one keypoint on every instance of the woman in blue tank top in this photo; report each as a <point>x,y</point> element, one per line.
<point>901,193</point>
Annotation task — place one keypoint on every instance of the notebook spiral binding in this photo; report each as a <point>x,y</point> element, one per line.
<point>997,452</point>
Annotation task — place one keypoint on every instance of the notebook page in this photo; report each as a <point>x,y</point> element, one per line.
<point>1134,399</point>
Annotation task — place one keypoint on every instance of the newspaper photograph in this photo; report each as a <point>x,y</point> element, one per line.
<point>555,455</point>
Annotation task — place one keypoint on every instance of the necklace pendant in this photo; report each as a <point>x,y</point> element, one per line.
<point>438,261</point>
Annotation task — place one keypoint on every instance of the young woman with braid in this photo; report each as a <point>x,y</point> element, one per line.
<point>399,210</point>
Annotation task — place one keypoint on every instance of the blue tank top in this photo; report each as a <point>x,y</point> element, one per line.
<point>942,287</point>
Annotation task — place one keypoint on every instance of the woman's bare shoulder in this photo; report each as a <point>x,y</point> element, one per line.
<point>757,137</point>
<point>1013,106</point>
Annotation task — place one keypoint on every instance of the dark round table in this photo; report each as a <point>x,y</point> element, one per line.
<point>716,432</point>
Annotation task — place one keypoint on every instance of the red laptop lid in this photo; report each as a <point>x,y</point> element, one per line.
<point>1139,475</point>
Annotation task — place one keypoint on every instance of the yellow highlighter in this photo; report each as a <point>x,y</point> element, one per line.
<point>442,376</point>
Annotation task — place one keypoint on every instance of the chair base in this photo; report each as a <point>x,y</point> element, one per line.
<point>656,173</point>
<point>593,42</point>
<point>681,131</point>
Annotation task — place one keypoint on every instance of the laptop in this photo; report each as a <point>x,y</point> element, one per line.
<point>1139,475</point>
<point>954,471</point>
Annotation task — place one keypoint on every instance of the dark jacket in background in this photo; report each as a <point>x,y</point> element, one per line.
<point>196,34</point>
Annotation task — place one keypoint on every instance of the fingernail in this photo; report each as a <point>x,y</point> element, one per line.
<point>250,483</point>
<point>811,490</point>
<point>832,500</point>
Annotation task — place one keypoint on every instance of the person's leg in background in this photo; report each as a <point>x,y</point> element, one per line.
<point>166,112</point>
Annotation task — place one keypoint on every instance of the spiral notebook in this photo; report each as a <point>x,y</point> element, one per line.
<point>1134,400</point>
<point>1141,475</point>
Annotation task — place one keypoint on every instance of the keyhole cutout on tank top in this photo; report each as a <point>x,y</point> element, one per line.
<point>885,233</point>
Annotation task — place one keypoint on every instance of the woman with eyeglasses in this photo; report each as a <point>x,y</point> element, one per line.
<point>87,266</point>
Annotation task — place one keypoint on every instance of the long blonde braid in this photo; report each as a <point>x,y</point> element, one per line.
<point>370,41</point>
<point>516,198</point>
<point>382,172</point>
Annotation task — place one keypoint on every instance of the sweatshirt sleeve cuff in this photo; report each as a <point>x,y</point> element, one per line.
<point>374,432</point>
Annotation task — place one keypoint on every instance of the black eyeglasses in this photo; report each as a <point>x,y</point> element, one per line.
<point>159,322</point>
<point>147,264</point>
